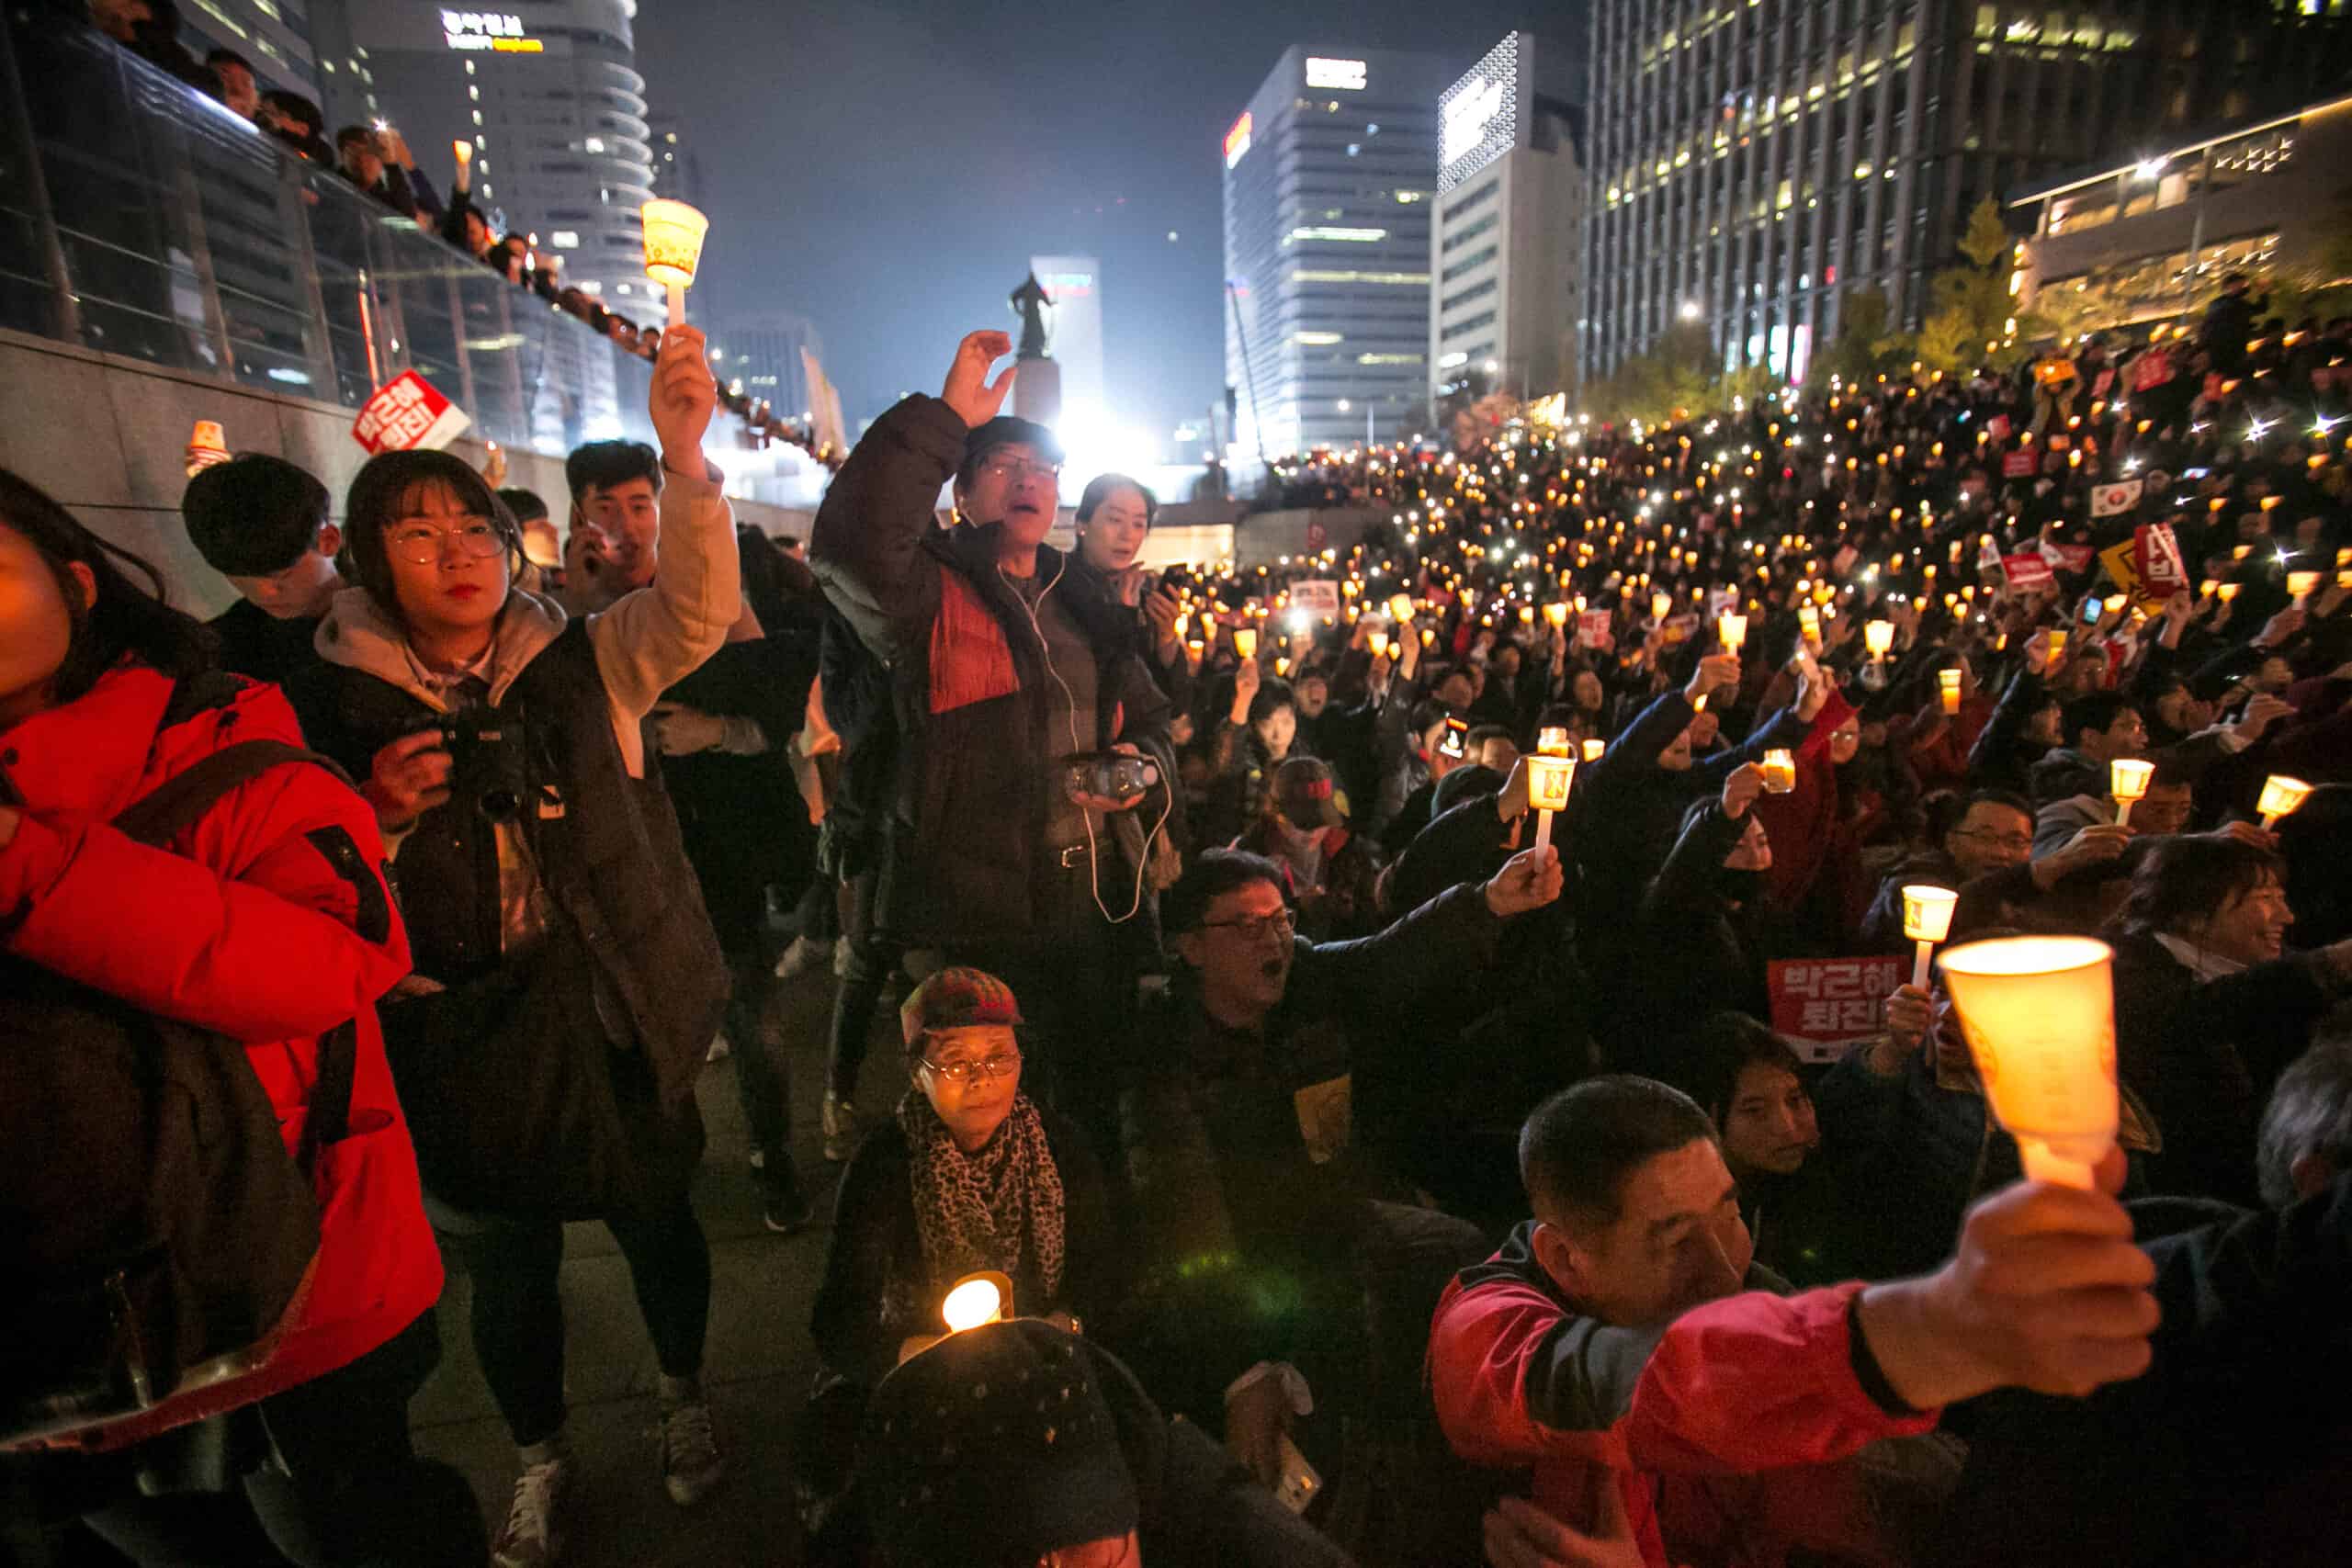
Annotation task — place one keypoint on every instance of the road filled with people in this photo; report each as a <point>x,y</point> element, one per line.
<point>1767,988</point>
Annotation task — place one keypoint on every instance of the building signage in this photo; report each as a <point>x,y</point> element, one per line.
<point>493,30</point>
<point>1344,76</point>
<point>1236,141</point>
<point>1478,116</point>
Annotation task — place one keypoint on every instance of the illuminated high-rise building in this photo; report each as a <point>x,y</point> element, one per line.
<point>273,34</point>
<point>1755,160</point>
<point>1506,246</point>
<point>1329,176</point>
<point>548,92</point>
<point>761,353</point>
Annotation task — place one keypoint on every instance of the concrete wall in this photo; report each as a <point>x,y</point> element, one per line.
<point>108,435</point>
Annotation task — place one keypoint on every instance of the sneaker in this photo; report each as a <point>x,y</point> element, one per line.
<point>786,1209</point>
<point>841,1128</point>
<point>802,956</point>
<point>530,1538</point>
<point>691,1462</point>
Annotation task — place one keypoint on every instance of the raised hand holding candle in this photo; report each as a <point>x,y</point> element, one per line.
<point>2039,1016</point>
<point>1245,642</point>
<point>1733,629</point>
<point>2302,584</point>
<point>1948,687</point>
<point>1401,606</point>
<point>1780,770</point>
<point>1878,637</point>
<point>2127,781</point>
<point>1927,919</point>
<point>1661,605</point>
<point>2280,795</point>
<point>1548,778</point>
<point>1378,643</point>
<point>673,237</point>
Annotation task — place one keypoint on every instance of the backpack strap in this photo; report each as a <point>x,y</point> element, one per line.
<point>176,803</point>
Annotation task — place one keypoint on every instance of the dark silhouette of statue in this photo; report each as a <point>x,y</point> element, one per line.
<point>1029,302</point>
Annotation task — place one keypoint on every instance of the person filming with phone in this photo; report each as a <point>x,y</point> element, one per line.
<point>1025,725</point>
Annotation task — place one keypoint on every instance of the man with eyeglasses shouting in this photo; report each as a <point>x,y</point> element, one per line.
<point>995,849</point>
<point>1268,1100</point>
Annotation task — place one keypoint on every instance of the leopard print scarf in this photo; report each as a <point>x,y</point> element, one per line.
<point>988,1210</point>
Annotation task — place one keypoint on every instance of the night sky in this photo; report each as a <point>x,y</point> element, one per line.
<point>889,167</point>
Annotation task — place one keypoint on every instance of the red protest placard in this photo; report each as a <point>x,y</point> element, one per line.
<point>2074,557</point>
<point>1997,427</point>
<point>2156,553</point>
<point>1822,1005</point>
<point>2020,464</point>
<point>2029,571</point>
<point>1592,628</point>
<point>2152,368</point>
<point>405,413</point>
<point>2102,382</point>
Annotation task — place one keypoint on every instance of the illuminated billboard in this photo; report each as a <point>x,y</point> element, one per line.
<point>498,31</point>
<point>1478,116</point>
<point>1342,75</point>
<point>1236,141</point>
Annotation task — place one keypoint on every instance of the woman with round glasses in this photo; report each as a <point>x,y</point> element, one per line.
<point>568,982</point>
<point>970,1174</point>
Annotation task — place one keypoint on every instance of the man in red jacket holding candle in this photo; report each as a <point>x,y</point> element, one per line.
<point>1622,1346</point>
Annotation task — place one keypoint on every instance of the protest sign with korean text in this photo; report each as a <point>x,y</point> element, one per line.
<point>406,414</point>
<point>1823,1005</point>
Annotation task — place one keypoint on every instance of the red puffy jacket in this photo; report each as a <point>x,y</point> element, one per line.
<point>1675,1415</point>
<point>268,921</point>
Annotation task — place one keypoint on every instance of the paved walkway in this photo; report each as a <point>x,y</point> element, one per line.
<point>757,1367</point>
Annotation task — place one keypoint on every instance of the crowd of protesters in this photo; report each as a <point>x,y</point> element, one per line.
<point>1352,1163</point>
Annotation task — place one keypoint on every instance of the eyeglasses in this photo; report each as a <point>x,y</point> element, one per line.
<point>1252,927</point>
<point>964,1075</point>
<point>421,543</point>
<point>1018,469</point>
<point>2001,840</point>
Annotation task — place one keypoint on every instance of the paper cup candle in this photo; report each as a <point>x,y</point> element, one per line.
<point>977,1299</point>
<point>2127,781</point>
<point>1779,768</point>
<point>1809,623</point>
<point>1661,605</point>
<point>2302,584</point>
<point>1593,747</point>
<point>1558,614</point>
<point>2038,1015</point>
<point>207,445</point>
<point>1245,641</point>
<point>2227,591</point>
<point>1553,741</point>
<point>1733,629</point>
<point>1948,687</point>
<point>1547,790</point>
<point>2057,636</point>
<point>1378,643</point>
<point>1927,919</point>
<point>1878,637</point>
<point>1401,606</point>
<point>674,236</point>
<point>2280,795</point>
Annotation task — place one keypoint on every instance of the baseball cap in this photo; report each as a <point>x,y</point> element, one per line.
<point>956,997</point>
<point>1304,791</point>
<point>997,1444</point>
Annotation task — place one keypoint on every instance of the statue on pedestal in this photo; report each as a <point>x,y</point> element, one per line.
<point>1029,302</point>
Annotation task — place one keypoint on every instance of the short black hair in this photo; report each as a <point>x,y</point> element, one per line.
<point>217,57</point>
<point>1098,490</point>
<point>1578,1146</point>
<point>1947,809</point>
<point>1481,733</point>
<point>602,465</point>
<point>351,133</point>
<point>2310,1113</point>
<point>295,107</point>
<point>2096,710</point>
<point>254,514</point>
<point>1273,694</point>
<point>383,486</point>
<point>1213,875</point>
<point>2193,874</point>
<point>1729,1043</point>
<point>525,504</point>
<point>1004,430</point>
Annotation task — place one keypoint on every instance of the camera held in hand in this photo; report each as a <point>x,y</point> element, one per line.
<point>487,767</point>
<point>1108,775</point>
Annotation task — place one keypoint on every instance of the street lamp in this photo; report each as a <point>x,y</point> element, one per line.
<point>1689,310</point>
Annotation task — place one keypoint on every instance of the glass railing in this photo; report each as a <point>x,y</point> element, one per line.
<point>141,218</point>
